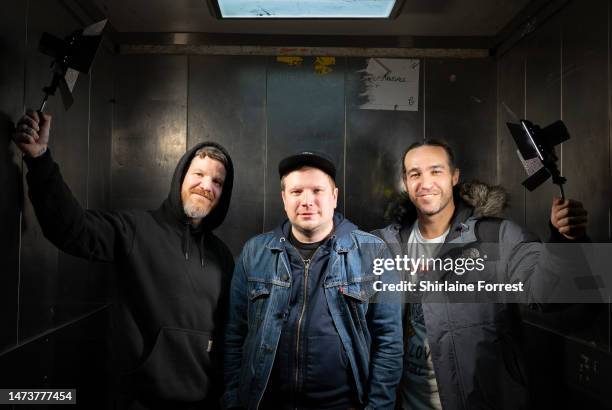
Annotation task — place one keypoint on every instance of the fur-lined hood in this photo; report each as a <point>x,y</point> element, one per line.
<point>485,200</point>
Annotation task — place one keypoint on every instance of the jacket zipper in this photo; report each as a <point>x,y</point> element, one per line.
<point>299,323</point>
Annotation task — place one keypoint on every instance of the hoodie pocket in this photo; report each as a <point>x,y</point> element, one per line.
<point>178,367</point>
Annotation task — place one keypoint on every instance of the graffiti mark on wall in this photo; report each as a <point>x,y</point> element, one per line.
<point>322,65</point>
<point>290,60</point>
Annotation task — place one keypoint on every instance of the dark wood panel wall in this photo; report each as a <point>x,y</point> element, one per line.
<point>263,109</point>
<point>561,71</point>
<point>45,294</point>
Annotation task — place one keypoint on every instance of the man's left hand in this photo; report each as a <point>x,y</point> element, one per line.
<point>569,217</point>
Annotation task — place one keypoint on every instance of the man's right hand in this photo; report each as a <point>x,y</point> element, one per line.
<point>31,134</point>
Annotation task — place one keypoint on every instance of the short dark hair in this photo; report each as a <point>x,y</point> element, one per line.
<point>430,143</point>
<point>212,152</point>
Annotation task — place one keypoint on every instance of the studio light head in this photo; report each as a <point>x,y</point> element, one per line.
<point>71,56</point>
<point>536,150</point>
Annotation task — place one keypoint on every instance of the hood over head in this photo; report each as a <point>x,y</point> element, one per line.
<point>173,205</point>
<point>486,201</point>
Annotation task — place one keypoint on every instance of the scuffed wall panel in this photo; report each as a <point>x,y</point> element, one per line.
<point>511,105</point>
<point>44,270</point>
<point>460,108</point>
<point>586,157</point>
<point>305,111</point>
<point>543,106</point>
<point>227,97</point>
<point>149,128</point>
<point>375,142</point>
<point>12,47</point>
<point>43,288</point>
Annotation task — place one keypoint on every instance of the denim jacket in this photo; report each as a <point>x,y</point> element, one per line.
<point>370,332</point>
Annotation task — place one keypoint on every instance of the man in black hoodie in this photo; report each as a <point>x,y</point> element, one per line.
<point>173,272</point>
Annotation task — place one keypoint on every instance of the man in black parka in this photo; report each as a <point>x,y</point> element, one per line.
<point>173,272</point>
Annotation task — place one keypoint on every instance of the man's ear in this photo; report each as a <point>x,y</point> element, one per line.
<point>404,185</point>
<point>456,174</point>
<point>335,195</point>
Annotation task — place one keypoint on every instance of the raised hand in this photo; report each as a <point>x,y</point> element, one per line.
<point>31,133</point>
<point>569,217</point>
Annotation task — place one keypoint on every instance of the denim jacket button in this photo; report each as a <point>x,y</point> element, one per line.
<point>285,278</point>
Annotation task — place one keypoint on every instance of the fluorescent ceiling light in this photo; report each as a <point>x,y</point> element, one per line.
<point>307,9</point>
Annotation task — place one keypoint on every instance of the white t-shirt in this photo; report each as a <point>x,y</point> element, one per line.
<point>418,388</point>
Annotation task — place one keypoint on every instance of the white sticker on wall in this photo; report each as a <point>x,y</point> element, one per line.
<point>391,84</point>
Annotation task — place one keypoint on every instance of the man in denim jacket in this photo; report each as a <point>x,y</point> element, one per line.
<point>303,331</point>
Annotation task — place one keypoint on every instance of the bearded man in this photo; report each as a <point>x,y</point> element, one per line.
<point>173,273</point>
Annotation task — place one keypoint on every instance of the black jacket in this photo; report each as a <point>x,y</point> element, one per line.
<point>172,280</point>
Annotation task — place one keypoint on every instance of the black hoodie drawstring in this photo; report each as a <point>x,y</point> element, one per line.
<point>186,242</point>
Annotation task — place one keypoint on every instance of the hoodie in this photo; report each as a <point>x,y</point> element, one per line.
<point>172,280</point>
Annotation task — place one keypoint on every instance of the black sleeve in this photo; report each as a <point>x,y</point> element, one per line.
<point>221,318</point>
<point>223,305</point>
<point>556,237</point>
<point>96,235</point>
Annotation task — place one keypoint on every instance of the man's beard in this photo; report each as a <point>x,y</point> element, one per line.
<point>441,206</point>
<point>194,211</point>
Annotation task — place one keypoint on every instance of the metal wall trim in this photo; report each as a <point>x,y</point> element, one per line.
<point>56,328</point>
<point>185,49</point>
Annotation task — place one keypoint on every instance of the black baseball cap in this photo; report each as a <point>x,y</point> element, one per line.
<point>307,159</point>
